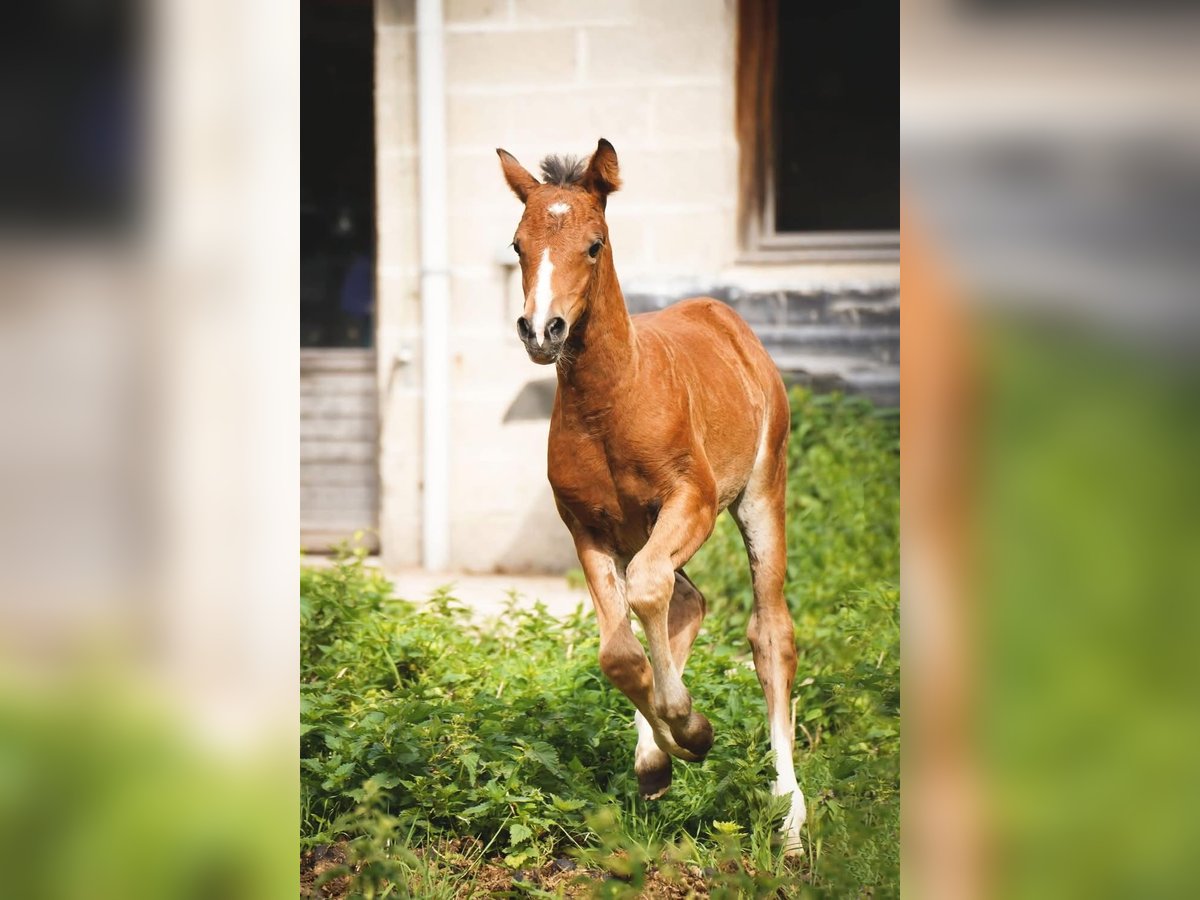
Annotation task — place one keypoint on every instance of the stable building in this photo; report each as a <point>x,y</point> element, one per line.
<point>758,144</point>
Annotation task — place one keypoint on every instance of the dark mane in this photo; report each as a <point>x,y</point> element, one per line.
<point>562,170</point>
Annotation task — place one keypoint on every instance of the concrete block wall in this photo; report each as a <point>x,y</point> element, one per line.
<point>397,281</point>
<point>656,78</point>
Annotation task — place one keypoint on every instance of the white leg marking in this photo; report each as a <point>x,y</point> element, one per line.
<point>645,735</point>
<point>648,754</point>
<point>782,740</point>
<point>543,296</point>
<point>759,527</point>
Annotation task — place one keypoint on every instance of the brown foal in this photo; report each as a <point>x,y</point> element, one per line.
<point>660,422</point>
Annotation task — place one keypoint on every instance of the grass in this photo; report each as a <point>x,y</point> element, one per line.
<point>454,759</point>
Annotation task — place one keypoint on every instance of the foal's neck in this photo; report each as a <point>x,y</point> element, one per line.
<point>603,354</point>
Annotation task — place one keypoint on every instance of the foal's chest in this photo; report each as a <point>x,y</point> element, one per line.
<point>617,503</point>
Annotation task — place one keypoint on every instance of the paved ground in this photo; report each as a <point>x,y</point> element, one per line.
<point>486,594</point>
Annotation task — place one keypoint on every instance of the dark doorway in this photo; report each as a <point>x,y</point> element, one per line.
<point>337,174</point>
<point>339,426</point>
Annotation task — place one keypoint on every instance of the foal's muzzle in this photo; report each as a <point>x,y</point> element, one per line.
<point>550,346</point>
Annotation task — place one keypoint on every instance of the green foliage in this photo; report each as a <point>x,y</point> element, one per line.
<point>1088,672</point>
<point>420,725</point>
<point>106,794</point>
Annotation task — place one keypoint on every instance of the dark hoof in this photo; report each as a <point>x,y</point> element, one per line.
<point>696,736</point>
<point>653,783</point>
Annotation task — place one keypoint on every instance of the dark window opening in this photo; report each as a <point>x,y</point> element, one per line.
<point>70,117</point>
<point>337,174</point>
<point>818,111</point>
<point>837,146</point>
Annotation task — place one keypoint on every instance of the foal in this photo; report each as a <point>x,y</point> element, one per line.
<point>659,423</point>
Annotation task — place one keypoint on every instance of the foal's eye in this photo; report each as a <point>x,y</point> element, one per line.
<point>516,248</point>
<point>594,250</point>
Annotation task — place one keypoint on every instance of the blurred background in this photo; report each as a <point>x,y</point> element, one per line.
<point>1051,166</point>
<point>149,280</point>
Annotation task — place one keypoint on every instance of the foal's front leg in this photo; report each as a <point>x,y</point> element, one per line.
<point>684,523</point>
<point>622,658</point>
<point>652,764</point>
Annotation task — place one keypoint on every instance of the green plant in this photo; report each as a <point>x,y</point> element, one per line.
<point>422,726</point>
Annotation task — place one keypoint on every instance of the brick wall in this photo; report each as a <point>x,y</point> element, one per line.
<point>655,77</point>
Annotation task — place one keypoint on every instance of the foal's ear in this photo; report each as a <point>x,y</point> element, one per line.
<point>602,176</point>
<point>521,182</point>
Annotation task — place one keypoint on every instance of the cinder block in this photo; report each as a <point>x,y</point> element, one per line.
<point>542,56</point>
<point>637,54</point>
<point>674,14</point>
<point>702,176</point>
<point>395,12</point>
<point>479,120</point>
<point>491,365</point>
<point>395,124</point>
<point>400,478</point>
<point>477,11</point>
<point>476,183</point>
<point>396,228</point>
<point>686,113</point>
<point>396,176</point>
<point>479,303</point>
<point>693,244</point>
<point>395,62</point>
<point>632,249</point>
<point>476,238</point>
<point>580,12</point>
<point>570,119</point>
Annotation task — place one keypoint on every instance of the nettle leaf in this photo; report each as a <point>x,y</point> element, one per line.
<point>472,811</point>
<point>516,860</point>
<point>381,782</point>
<point>518,833</point>
<point>470,762</point>
<point>566,805</point>
<point>338,776</point>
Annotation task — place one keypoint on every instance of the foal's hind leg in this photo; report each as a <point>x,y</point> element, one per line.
<point>759,512</point>
<point>651,763</point>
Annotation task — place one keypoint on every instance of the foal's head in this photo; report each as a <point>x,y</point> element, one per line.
<point>560,240</point>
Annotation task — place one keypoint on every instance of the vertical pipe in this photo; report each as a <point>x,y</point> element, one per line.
<point>435,284</point>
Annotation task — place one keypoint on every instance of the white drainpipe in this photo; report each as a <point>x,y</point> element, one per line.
<point>435,284</point>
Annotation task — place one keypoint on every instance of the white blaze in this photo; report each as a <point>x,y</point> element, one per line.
<point>543,296</point>
<point>557,209</point>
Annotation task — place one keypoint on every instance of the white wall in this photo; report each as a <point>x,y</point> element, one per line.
<point>656,78</point>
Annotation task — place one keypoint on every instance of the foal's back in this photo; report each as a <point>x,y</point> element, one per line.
<point>734,402</point>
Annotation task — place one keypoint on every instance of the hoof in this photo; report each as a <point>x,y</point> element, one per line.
<point>696,736</point>
<point>654,782</point>
<point>791,843</point>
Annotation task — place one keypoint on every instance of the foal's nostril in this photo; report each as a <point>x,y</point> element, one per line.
<point>525,328</point>
<point>556,328</point>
